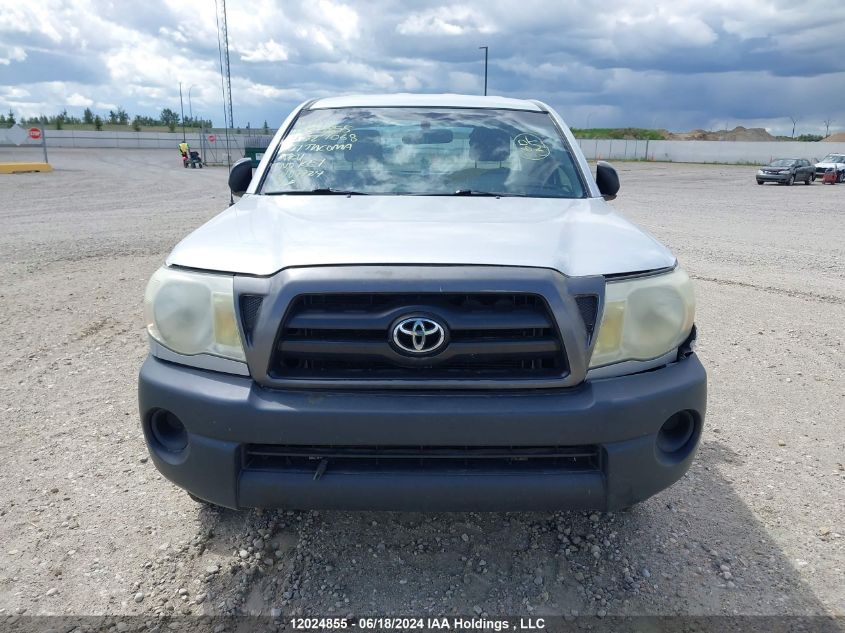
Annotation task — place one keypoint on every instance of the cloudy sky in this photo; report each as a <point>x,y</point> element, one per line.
<point>650,63</point>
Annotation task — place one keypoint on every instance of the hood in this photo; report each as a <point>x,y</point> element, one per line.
<point>829,164</point>
<point>261,235</point>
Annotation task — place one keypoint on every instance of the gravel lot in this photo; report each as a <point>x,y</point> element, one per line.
<point>89,527</point>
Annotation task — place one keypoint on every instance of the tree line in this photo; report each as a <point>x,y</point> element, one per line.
<point>168,118</point>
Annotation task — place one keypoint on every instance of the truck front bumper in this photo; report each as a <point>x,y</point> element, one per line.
<point>603,445</point>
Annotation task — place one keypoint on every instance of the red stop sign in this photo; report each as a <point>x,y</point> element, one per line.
<point>211,138</point>
<point>34,133</point>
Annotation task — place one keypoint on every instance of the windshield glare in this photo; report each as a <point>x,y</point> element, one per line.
<point>782,162</point>
<point>833,158</point>
<point>425,151</point>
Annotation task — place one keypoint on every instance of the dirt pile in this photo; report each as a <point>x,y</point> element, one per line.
<point>838,137</point>
<point>739,133</point>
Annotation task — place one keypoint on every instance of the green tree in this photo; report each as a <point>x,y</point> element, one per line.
<point>266,129</point>
<point>88,116</point>
<point>136,123</point>
<point>122,117</point>
<point>98,123</point>
<point>10,120</point>
<point>169,118</point>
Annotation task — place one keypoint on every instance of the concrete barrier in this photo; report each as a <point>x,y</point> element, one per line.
<point>605,149</point>
<point>129,140</point>
<point>706,151</point>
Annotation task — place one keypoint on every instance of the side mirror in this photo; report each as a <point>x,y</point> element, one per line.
<point>607,179</point>
<point>240,176</point>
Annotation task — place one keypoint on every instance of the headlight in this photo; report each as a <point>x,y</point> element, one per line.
<point>644,318</point>
<point>193,313</point>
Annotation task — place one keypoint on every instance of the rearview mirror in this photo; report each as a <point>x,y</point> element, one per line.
<point>428,137</point>
<point>607,179</point>
<point>240,176</point>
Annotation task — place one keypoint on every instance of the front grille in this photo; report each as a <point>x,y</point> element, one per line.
<point>321,460</point>
<point>347,336</point>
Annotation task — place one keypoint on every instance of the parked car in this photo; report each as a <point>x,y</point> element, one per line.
<point>786,171</point>
<point>422,302</point>
<point>832,161</point>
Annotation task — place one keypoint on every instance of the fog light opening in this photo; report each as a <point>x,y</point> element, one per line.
<point>168,431</point>
<point>676,433</point>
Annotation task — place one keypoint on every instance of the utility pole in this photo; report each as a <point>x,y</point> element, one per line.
<point>182,108</point>
<point>827,123</point>
<point>794,121</point>
<point>190,107</point>
<point>485,68</point>
<point>225,73</point>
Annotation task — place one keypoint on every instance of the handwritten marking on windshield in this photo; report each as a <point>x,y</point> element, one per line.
<point>531,146</point>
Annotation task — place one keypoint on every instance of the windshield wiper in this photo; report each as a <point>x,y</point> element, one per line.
<point>475,192</point>
<point>323,191</point>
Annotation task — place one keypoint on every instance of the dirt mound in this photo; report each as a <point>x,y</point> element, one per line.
<point>838,137</point>
<point>739,133</point>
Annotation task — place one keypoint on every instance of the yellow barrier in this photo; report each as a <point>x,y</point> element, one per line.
<point>18,168</point>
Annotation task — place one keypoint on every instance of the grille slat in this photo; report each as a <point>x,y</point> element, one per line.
<point>381,320</point>
<point>347,336</point>
<point>342,348</point>
<point>271,457</point>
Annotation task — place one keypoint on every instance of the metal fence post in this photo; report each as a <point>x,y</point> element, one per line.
<point>44,143</point>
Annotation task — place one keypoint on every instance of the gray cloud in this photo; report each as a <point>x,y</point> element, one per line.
<point>620,62</point>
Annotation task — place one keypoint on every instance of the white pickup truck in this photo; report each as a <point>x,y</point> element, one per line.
<point>422,302</point>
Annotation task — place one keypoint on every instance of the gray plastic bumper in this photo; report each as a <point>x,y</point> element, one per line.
<point>620,416</point>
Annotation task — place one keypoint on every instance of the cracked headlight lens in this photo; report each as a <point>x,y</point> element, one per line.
<point>644,318</point>
<point>193,313</point>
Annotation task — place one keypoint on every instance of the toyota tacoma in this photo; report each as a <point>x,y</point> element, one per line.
<point>421,302</point>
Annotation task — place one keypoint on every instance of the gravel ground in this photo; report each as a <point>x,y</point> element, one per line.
<point>89,527</point>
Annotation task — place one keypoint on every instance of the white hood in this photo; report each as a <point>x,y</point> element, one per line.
<point>261,235</point>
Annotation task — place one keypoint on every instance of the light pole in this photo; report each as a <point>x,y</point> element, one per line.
<point>589,116</point>
<point>182,108</point>
<point>485,68</point>
<point>190,107</point>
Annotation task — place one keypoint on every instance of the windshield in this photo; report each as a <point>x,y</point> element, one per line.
<point>833,158</point>
<point>424,151</point>
<point>781,162</point>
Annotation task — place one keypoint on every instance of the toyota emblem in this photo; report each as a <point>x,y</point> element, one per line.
<point>418,335</point>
